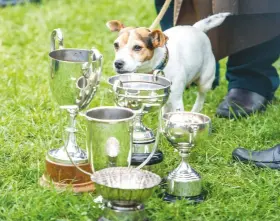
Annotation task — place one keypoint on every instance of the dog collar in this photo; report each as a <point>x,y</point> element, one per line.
<point>163,63</point>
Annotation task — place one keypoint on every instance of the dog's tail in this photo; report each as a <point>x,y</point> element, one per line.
<point>211,22</point>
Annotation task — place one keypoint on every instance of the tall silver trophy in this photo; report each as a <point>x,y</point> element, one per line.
<point>74,79</point>
<point>183,130</point>
<point>143,93</point>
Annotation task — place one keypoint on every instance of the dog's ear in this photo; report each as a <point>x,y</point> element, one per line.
<point>115,25</point>
<point>158,38</point>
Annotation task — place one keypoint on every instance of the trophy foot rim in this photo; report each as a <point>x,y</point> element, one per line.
<point>138,158</point>
<point>192,199</point>
<point>60,186</point>
<point>65,161</point>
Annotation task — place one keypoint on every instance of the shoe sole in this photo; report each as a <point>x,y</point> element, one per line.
<point>274,165</point>
<point>228,114</point>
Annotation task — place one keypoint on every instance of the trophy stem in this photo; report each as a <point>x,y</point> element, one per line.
<point>141,134</point>
<point>184,181</point>
<point>138,122</point>
<point>71,142</point>
<point>70,145</point>
<point>184,166</point>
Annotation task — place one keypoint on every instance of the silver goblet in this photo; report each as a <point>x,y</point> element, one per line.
<point>74,79</point>
<point>124,191</point>
<point>183,130</point>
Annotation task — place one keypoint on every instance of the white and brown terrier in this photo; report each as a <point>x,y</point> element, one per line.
<point>184,53</point>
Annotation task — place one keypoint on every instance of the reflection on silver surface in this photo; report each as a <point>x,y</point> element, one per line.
<point>75,76</point>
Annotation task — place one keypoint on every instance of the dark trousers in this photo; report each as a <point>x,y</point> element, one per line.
<point>249,69</point>
<point>252,69</point>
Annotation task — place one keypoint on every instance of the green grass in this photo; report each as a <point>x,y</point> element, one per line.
<point>29,123</point>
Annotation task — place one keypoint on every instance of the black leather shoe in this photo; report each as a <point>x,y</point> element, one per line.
<point>267,158</point>
<point>241,103</point>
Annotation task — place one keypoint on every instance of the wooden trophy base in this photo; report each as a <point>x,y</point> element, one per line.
<point>62,177</point>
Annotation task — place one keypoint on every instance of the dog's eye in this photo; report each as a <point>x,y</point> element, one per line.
<point>116,45</point>
<point>137,48</point>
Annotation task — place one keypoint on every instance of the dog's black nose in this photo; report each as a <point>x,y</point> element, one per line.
<point>119,64</point>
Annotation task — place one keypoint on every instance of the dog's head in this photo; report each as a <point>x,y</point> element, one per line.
<point>134,47</point>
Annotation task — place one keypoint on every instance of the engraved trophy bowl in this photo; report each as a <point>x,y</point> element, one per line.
<point>183,130</point>
<point>74,79</point>
<point>124,191</point>
<point>143,93</point>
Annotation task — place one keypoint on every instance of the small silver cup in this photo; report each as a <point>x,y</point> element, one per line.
<point>183,130</point>
<point>109,137</point>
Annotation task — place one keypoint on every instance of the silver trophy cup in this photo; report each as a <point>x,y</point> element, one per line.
<point>124,191</point>
<point>143,93</point>
<point>74,79</point>
<point>183,130</point>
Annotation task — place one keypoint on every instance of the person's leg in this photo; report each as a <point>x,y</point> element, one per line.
<point>216,82</point>
<point>252,69</point>
<point>252,79</point>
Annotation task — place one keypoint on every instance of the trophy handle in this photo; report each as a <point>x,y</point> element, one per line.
<point>79,168</point>
<point>157,73</point>
<point>56,34</point>
<point>115,88</point>
<point>155,144</point>
<point>97,58</point>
